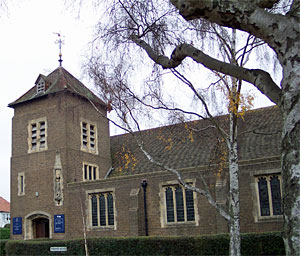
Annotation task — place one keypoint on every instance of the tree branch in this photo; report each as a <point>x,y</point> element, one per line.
<point>295,9</point>
<point>261,79</point>
<point>195,189</point>
<point>248,16</point>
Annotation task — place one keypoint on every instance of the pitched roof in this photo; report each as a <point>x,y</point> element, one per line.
<point>57,81</point>
<point>195,143</point>
<point>4,205</point>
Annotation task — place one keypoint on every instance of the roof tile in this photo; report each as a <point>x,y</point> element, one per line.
<point>60,80</point>
<point>181,146</point>
<point>4,205</point>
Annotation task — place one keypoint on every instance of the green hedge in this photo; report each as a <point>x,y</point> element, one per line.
<point>252,244</point>
<point>4,233</point>
<point>2,246</point>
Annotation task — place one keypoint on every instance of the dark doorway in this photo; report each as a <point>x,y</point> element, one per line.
<point>41,228</point>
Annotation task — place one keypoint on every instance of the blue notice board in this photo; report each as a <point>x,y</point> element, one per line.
<point>17,226</point>
<point>59,223</point>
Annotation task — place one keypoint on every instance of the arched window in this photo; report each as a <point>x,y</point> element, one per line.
<point>269,193</point>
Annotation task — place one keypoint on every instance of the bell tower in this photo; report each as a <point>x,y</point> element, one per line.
<point>60,135</point>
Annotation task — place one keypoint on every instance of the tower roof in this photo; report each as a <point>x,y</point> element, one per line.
<point>57,81</point>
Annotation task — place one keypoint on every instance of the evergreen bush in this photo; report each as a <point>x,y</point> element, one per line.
<point>2,246</point>
<point>4,233</point>
<point>252,244</point>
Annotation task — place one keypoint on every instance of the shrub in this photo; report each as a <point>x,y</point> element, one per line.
<point>2,246</point>
<point>42,247</point>
<point>252,244</point>
<point>4,233</point>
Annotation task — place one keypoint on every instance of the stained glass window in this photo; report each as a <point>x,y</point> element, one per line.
<point>189,198</point>
<point>102,209</point>
<point>170,205</point>
<point>264,197</point>
<point>94,211</point>
<point>269,192</point>
<point>110,209</point>
<point>179,204</point>
<point>276,195</point>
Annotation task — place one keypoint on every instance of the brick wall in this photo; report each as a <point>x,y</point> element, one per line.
<point>64,112</point>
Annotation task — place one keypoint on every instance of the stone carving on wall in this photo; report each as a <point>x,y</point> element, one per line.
<point>58,181</point>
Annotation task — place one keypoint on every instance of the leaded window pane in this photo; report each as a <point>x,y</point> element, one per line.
<point>110,209</point>
<point>169,205</point>
<point>179,204</point>
<point>276,195</point>
<point>90,172</point>
<point>22,183</point>
<point>94,173</point>
<point>94,211</point>
<point>190,211</point>
<point>263,197</point>
<point>102,210</point>
<point>85,172</point>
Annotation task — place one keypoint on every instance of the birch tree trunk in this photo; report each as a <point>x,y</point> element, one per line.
<point>290,159</point>
<point>234,193</point>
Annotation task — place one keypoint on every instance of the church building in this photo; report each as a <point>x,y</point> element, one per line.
<point>68,175</point>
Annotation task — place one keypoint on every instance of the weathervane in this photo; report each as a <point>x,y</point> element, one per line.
<point>59,42</point>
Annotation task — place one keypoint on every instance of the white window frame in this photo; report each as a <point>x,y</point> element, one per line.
<point>163,207</point>
<point>88,136</point>
<point>38,135</point>
<point>87,165</point>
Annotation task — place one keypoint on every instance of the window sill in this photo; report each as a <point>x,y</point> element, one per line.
<point>179,224</point>
<point>278,218</point>
<point>106,228</point>
<point>30,151</point>
<point>86,150</point>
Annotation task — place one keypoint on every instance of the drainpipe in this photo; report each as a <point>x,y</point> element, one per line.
<point>144,186</point>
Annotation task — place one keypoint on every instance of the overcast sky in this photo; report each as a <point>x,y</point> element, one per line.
<point>27,49</point>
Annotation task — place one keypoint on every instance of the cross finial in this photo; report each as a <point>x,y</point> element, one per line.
<point>59,41</point>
